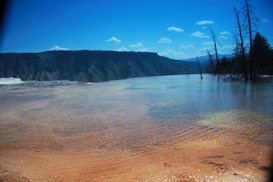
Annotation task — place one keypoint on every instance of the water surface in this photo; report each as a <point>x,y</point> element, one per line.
<point>168,128</point>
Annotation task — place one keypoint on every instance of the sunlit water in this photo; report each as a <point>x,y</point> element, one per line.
<point>136,115</point>
<point>162,106</point>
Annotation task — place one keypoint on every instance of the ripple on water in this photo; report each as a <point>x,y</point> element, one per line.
<point>133,124</point>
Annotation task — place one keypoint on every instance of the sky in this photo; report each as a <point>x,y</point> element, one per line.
<point>176,29</point>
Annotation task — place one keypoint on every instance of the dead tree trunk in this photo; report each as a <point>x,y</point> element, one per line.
<point>249,27</point>
<point>241,45</point>
<point>238,56</point>
<point>199,67</point>
<point>211,63</point>
<point>216,53</point>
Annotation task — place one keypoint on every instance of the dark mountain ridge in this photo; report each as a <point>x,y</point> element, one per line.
<point>89,66</point>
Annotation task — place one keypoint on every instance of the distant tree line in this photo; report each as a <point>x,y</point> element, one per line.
<point>252,56</point>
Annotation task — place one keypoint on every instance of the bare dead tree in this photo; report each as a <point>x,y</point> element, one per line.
<point>251,21</point>
<point>238,56</point>
<point>199,67</point>
<point>250,38</point>
<point>211,62</point>
<point>237,45</point>
<point>240,46</point>
<point>216,52</point>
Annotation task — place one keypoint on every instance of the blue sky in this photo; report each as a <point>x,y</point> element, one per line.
<point>173,28</point>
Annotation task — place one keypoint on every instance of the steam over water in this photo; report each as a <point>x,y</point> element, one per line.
<point>174,127</point>
<point>10,81</point>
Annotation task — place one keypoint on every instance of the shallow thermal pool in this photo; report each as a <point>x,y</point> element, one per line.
<point>170,128</point>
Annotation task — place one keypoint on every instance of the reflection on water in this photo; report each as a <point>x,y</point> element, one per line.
<point>139,116</point>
